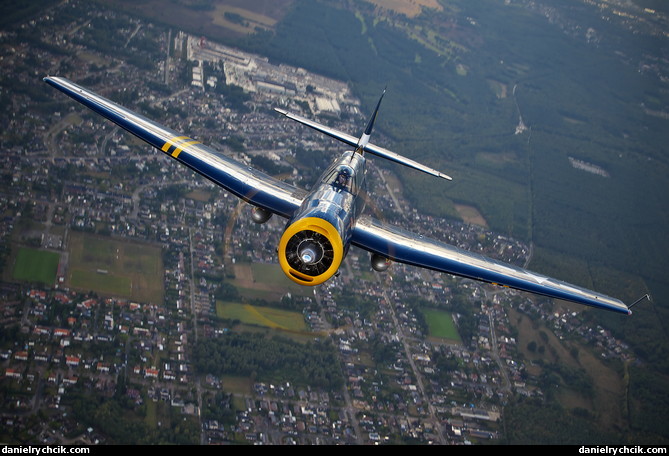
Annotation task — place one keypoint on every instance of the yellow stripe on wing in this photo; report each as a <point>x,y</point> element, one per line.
<point>179,143</point>
<point>170,142</point>
<point>182,146</point>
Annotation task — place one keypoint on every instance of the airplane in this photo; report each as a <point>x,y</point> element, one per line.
<point>324,222</point>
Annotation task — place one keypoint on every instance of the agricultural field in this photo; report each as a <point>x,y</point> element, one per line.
<point>261,316</point>
<point>585,380</point>
<point>233,19</point>
<point>115,267</point>
<point>240,19</point>
<point>441,325</point>
<point>266,281</point>
<point>471,215</point>
<point>409,8</point>
<point>36,265</point>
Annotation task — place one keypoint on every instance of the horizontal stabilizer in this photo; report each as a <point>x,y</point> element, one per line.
<point>368,147</point>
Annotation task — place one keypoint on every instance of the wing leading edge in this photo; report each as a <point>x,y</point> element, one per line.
<point>247,183</point>
<point>405,247</point>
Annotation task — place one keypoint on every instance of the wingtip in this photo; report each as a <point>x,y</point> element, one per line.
<point>52,80</point>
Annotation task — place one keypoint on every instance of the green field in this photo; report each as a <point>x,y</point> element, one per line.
<point>440,324</point>
<point>262,316</point>
<point>103,283</point>
<point>36,265</point>
<point>237,385</point>
<point>266,281</point>
<point>115,267</point>
<point>151,418</point>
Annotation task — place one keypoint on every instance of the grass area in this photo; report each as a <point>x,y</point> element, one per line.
<point>471,215</point>
<point>440,324</point>
<point>116,267</point>
<point>273,276</point>
<point>238,402</point>
<point>36,265</point>
<point>237,385</point>
<point>266,281</point>
<point>101,282</point>
<point>262,316</point>
<point>241,20</point>
<point>608,387</point>
<point>409,8</point>
<point>151,418</point>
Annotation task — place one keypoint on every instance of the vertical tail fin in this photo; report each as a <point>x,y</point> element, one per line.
<point>364,139</point>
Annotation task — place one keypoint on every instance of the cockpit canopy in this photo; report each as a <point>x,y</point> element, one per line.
<point>342,177</point>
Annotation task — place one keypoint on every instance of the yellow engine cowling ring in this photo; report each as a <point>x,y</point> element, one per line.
<point>300,228</point>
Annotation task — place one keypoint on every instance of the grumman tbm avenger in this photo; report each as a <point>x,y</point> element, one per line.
<point>324,222</point>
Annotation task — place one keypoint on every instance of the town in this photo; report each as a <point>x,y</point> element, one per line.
<point>145,256</point>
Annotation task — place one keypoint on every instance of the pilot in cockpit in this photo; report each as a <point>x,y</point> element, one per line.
<point>343,177</point>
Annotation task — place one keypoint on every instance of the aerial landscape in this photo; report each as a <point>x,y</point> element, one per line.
<point>143,304</point>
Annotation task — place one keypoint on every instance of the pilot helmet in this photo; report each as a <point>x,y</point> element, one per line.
<point>344,175</point>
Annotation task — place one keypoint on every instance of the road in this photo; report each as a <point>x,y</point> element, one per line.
<point>493,341</point>
<point>404,340</point>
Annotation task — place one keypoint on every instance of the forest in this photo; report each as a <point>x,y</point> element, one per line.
<point>269,358</point>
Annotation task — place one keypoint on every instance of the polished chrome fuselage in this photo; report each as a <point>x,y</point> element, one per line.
<point>336,202</point>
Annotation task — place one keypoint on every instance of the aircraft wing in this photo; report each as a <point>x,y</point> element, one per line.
<point>405,247</point>
<point>245,182</point>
